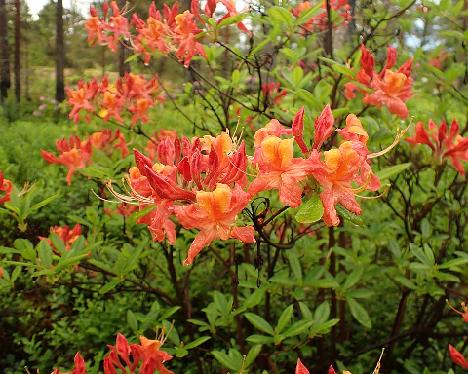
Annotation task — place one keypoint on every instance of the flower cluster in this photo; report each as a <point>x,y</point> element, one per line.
<point>210,10</point>
<point>169,32</point>
<point>75,153</point>
<point>320,21</point>
<point>446,143</point>
<point>131,92</point>
<point>385,88</point>
<point>144,358</point>
<point>5,187</point>
<point>204,184</point>
<point>301,369</point>
<point>274,91</point>
<point>66,235</point>
<point>199,181</point>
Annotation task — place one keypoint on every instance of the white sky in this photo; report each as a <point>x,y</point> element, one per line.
<point>36,5</point>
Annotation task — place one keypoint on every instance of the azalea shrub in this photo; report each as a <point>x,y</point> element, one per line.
<point>295,201</point>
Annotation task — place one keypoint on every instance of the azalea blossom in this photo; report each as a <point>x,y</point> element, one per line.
<point>5,187</point>
<point>273,91</point>
<point>210,9</point>
<point>79,366</point>
<point>131,93</point>
<point>143,358</point>
<point>108,30</point>
<point>278,169</point>
<point>301,369</point>
<point>170,32</point>
<point>66,235</point>
<point>107,141</point>
<point>319,22</point>
<point>214,214</point>
<point>341,172</point>
<point>457,358</point>
<point>445,143</point>
<point>186,32</point>
<point>73,154</point>
<point>463,313</point>
<point>385,88</point>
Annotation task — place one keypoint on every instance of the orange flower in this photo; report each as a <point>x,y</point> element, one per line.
<point>152,357</point>
<point>81,98</point>
<point>5,186</point>
<point>457,358</point>
<point>74,154</point>
<point>320,21</point>
<point>443,145</point>
<point>214,214</point>
<point>464,313</point>
<point>143,358</point>
<point>131,92</point>
<point>392,91</point>
<point>105,140</point>
<point>278,169</point>
<point>341,168</point>
<point>300,368</point>
<point>79,366</point>
<point>186,31</point>
<point>67,236</point>
<point>387,88</point>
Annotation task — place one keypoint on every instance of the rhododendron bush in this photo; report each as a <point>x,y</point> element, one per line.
<point>291,199</point>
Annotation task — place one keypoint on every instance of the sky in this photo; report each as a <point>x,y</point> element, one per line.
<point>36,5</point>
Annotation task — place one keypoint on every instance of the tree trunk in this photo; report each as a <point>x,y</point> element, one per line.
<point>4,53</point>
<point>60,56</point>
<point>18,50</point>
<point>123,52</point>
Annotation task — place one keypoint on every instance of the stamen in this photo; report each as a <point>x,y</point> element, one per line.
<point>132,199</point>
<point>377,367</point>
<point>453,308</point>
<point>398,136</point>
<point>372,197</point>
<point>243,171</point>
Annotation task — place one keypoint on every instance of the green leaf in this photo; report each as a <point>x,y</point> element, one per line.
<point>295,265</point>
<point>64,262</point>
<point>342,69</point>
<point>351,217</point>
<point>260,339</point>
<point>354,277</point>
<point>298,328</point>
<point>197,342</point>
<point>308,14</point>
<point>322,312</point>
<point>43,202</point>
<point>284,319</point>
<point>253,353</point>
<point>259,323</point>
<point>453,263</point>
<point>45,253</point>
<point>131,58</point>
<point>386,173</point>
<point>280,15</point>
<point>132,321</point>
<point>359,312</point>
<point>311,211</point>
<point>108,286</point>
<point>232,361</point>
<point>234,19</point>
